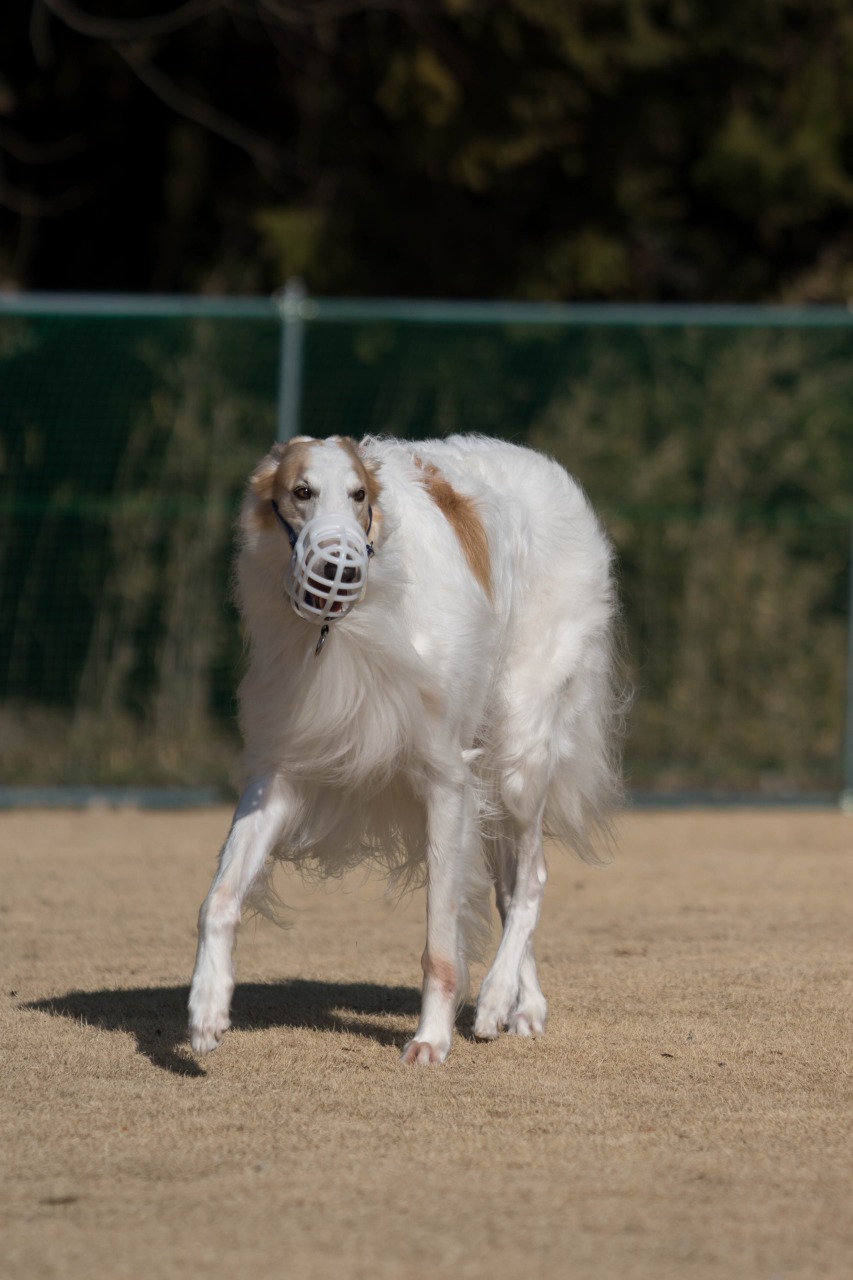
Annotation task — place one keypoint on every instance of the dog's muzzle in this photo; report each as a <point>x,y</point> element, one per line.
<point>327,574</point>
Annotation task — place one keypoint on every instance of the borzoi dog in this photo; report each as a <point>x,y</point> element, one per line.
<point>430,685</point>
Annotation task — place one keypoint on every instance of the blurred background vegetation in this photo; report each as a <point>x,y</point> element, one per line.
<point>630,151</point>
<point>540,149</point>
<point>718,456</point>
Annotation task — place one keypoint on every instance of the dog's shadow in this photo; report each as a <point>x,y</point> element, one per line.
<point>157,1016</point>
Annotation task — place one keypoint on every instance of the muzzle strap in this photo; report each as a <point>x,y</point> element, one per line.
<point>288,528</point>
<point>292,534</point>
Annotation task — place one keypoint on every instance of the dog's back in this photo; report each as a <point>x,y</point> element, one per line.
<point>542,630</point>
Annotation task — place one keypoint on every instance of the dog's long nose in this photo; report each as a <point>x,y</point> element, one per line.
<point>328,568</point>
<point>330,571</point>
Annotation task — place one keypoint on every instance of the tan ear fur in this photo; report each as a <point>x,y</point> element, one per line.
<point>261,489</point>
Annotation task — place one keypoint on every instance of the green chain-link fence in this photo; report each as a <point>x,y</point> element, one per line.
<point>717,445</point>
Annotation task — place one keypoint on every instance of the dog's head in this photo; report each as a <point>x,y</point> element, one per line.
<point>306,478</point>
<point>316,490</point>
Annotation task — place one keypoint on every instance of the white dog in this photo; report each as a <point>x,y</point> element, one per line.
<point>429,686</point>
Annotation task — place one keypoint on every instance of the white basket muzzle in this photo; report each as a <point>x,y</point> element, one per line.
<point>327,574</point>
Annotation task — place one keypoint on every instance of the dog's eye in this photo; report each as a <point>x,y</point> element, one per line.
<point>358,496</point>
<point>302,492</point>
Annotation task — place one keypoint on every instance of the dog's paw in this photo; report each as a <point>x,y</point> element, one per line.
<point>528,1021</point>
<point>209,1018</point>
<point>206,1035</point>
<point>486,1026</point>
<point>494,1010</point>
<point>420,1053</point>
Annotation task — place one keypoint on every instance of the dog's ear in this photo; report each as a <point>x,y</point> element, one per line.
<point>262,479</point>
<point>371,469</point>
<point>349,443</point>
<point>374,484</point>
<point>374,496</point>
<point>257,508</point>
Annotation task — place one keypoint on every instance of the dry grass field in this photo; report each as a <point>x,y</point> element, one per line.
<point>689,1113</point>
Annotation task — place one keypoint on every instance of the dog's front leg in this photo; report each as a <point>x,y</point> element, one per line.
<point>257,825</point>
<point>449,829</point>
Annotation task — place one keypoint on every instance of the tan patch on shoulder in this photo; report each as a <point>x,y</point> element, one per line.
<point>461,512</point>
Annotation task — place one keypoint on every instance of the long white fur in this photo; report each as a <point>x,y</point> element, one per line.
<point>442,728</point>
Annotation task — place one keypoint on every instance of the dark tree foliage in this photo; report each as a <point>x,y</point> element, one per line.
<point>559,149</point>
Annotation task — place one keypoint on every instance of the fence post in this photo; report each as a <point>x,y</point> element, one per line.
<point>290,304</point>
<point>847,774</point>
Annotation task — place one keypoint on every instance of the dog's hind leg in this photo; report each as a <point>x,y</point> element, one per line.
<point>258,822</point>
<point>529,1007</point>
<point>452,841</point>
<point>510,996</point>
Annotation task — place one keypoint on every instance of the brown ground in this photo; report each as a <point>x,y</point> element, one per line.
<point>688,1113</point>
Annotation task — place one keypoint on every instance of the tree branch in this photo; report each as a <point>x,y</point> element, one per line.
<point>293,13</point>
<point>27,205</point>
<point>86,24</point>
<point>202,113</point>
